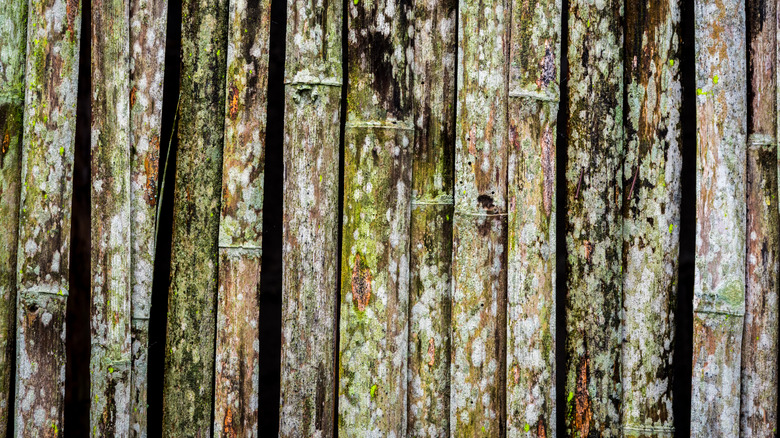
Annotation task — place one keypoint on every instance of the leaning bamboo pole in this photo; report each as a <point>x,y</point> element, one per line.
<point>110,355</point>
<point>190,336</point>
<point>719,285</point>
<point>759,342</point>
<point>651,214</point>
<point>433,94</point>
<point>241,221</point>
<point>378,144</point>
<point>535,49</point>
<point>51,82</point>
<point>479,231</point>
<point>13,33</point>
<point>148,21</point>
<point>313,80</point>
<point>594,175</point>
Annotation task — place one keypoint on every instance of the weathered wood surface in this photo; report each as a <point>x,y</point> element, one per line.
<point>378,147</point>
<point>192,299</point>
<point>241,221</point>
<point>535,51</point>
<point>758,403</point>
<point>148,21</point>
<point>593,221</point>
<point>479,232</point>
<point>313,79</point>
<point>651,214</point>
<point>51,82</point>
<point>13,33</point>
<point>719,284</point>
<point>110,355</point>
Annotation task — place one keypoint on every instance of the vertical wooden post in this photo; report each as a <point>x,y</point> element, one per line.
<point>433,88</point>
<point>13,34</point>
<point>534,70</point>
<point>479,231</point>
<point>651,214</point>
<point>51,82</point>
<point>110,357</point>
<point>192,298</point>
<point>594,175</point>
<point>241,221</point>
<point>759,341</point>
<point>719,288</point>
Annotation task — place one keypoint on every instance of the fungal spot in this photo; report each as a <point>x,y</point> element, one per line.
<point>486,202</point>
<point>71,9</point>
<point>541,431</point>
<point>527,427</point>
<point>671,62</point>
<point>431,352</point>
<point>588,250</point>
<point>227,424</point>
<point>6,143</point>
<point>361,284</point>
<point>516,372</point>
<point>715,80</point>
<point>62,151</point>
<point>547,67</point>
<point>583,413</point>
<point>132,96</point>
<point>233,105</point>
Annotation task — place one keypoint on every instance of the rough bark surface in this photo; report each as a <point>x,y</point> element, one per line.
<point>313,82</point>
<point>533,109</point>
<point>433,93</point>
<point>13,33</point>
<point>192,298</point>
<point>51,82</point>
<point>373,342</point>
<point>719,284</point>
<point>759,342</point>
<point>594,176</point>
<point>148,21</point>
<point>479,236</point>
<point>651,215</point>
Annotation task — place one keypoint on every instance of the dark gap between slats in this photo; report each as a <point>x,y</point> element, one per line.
<point>77,327</point>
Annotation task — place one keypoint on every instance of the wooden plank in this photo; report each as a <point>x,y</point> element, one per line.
<point>51,83</point>
<point>719,285</point>
<point>313,81</point>
<point>478,374</point>
<point>593,220</point>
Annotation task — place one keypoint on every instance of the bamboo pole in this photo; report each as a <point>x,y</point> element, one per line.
<point>377,200</point>
<point>433,94</point>
<point>148,21</point>
<point>479,231</point>
<point>593,221</point>
<point>13,33</point>
<point>192,299</point>
<point>651,214</point>
<point>719,288</point>
<point>241,221</point>
<point>51,82</point>
<point>110,356</point>
<point>535,49</point>
<point>313,81</point>
<point>759,342</point>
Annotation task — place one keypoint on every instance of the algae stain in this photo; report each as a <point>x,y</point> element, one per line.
<point>373,390</point>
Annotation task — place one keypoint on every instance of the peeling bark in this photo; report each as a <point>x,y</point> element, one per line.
<point>594,175</point>
<point>759,342</point>
<point>719,285</point>
<point>313,81</point>
<point>13,33</point>
<point>651,215</point>
<point>51,82</point>
<point>191,329</point>
<point>110,319</point>
<point>479,231</point>
<point>533,109</point>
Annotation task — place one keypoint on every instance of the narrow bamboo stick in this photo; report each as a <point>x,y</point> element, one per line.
<point>13,33</point>
<point>313,81</point>
<point>593,221</point>
<point>433,93</point>
<point>759,342</point>
<point>719,285</point>
<point>192,299</point>
<point>241,221</point>
<point>51,83</point>
<point>479,231</point>
<point>534,70</point>
<point>378,146</point>
<point>651,214</point>
<point>110,355</point>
